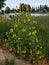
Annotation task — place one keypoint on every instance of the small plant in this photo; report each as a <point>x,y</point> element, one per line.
<point>8,62</point>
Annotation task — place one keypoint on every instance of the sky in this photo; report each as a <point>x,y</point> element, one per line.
<point>35,3</point>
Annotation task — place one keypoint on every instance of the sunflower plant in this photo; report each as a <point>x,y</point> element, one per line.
<point>22,38</point>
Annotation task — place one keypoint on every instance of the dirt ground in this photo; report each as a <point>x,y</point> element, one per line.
<point>4,53</point>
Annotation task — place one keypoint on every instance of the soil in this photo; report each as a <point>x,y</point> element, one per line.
<point>5,53</point>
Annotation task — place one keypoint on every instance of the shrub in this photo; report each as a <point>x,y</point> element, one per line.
<point>22,38</point>
<point>25,37</point>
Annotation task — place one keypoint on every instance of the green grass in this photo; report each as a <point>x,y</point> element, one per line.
<point>43,33</point>
<point>43,21</point>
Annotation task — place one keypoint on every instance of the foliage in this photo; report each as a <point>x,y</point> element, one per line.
<point>25,7</point>
<point>7,10</point>
<point>27,37</point>
<point>32,9</point>
<point>23,40</point>
<point>43,8</point>
<point>2,3</point>
<point>23,36</point>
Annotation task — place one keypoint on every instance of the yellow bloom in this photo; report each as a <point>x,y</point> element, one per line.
<point>33,27</point>
<point>14,35</point>
<point>35,22</point>
<point>15,25</point>
<point>26,14</point>
<point>28,19</point>
<point>18,47</point>
<point>39,52</point>
<point>19,38</point>
<point>29,33</point>
<point>41,47</point>
<point>27,9</point>
<point>24,21</point>
<point>23,30</point>
<point>36,40</point>
<point>18,20</point>
<point>42,56</point>
<point>33,33</point>
<point>18,51</point>
<point>6,44</point>
<point>31,51</point>
<point>6,33</point>
<point>24,51</point>
<point>11,30</point>
<point>10,49</point>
